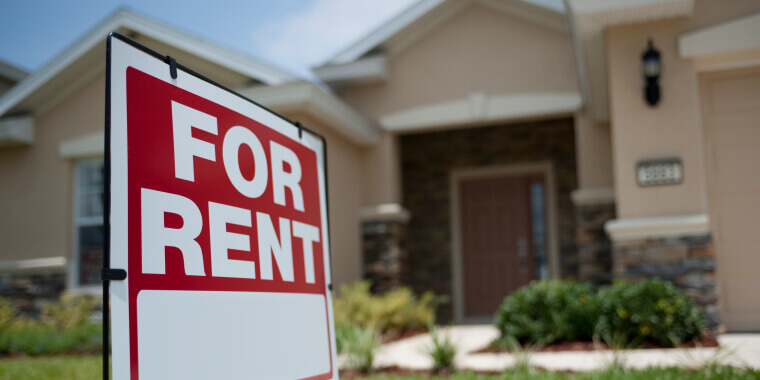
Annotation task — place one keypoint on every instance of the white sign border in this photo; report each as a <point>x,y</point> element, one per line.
<point>121,56</point>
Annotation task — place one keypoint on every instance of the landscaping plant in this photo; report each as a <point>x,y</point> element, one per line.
<point>649,310</point>
<point>545,312</point>
<point>390,313</point>
<point>624,314</point>
<point>521,354</point>
<point>359,347</point>
<point>69,311</point>
<point>63,327</point>
<point>442,351</point>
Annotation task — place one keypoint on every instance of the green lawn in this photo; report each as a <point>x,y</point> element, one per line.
<point>52,368</point>
<point>88,368</point>
<point>654,373</point>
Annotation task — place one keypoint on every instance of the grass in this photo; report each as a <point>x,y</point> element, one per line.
<point>52,368</point>
<point>674,373</point>
<point>88,368</point>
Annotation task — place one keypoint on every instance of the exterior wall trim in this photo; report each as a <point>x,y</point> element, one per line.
<point>16,131</point>
<point>479,108</point>
<point>616,12</point>
<point>595,196</point>
<point>736,35</point>
<point>57,263</point>
<point>387,212</point>
<point>657,227</point>
<point>456,176</point>
<point>362,71</point>
<point>86,146</point>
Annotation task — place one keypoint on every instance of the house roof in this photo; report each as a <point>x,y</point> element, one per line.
<point>306,97</point>
<point>420,18</point>
<point>82,60</point>
<point>11,72</point>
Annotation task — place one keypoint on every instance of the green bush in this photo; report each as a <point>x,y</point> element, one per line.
<point>649,310</point>
<point>63,327</point>
<point>545,312</point>
<point>68,311</point>
<point>392,312</point>
<point>7,313</point>
<point>627,313</point>
<point>33,337</point>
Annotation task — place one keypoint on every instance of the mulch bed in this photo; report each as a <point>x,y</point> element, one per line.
<point>708,340</point>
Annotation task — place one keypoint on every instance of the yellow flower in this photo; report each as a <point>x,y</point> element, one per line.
<point>622,313</point>
<point>645,330</point>
<point>661,303</point>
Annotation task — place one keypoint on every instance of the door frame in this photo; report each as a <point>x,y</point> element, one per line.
<point>456,176</point>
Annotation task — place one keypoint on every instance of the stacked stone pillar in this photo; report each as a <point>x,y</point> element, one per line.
<point>593,208</point>
<point>384,229</point>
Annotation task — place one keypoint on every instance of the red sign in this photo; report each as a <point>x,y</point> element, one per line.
<point>225,231</point>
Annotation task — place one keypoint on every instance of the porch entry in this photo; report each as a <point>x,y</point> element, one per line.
<point>503,238</point>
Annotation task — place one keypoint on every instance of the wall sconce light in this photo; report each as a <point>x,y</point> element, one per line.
<point>650,69</point>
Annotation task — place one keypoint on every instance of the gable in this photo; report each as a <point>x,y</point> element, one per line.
<point>479,50</point>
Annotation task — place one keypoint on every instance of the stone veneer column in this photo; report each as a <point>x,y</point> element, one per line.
<point>384,262</point>
<point>593,208</point>
<point>28,290</point>
<point>686,258</point>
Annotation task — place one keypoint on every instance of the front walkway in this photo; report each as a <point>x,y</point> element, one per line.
<point>737,349</point>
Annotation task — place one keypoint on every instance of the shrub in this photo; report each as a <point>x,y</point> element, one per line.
<point>64,327</point>
<point>68,311</point>
<point>392,312</point>
<point>648,310</point>
<point>7,313</point>
<point>442,351</point>
<point>32,337</point>
<point>545,312</point>
<point>359,346</point>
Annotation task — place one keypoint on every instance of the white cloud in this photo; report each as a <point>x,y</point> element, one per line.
<point>312,35</point>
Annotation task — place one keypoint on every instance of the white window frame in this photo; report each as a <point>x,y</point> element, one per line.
<point>77,223</point>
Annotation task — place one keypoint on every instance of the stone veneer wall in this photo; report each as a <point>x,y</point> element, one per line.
<point>688,262</point>
<point>29,290</point>
<point>384,258</point>
<point>427,161</point>
<point>594,246</point>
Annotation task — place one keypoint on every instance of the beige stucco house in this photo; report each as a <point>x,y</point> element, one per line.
<point>51,153</point>
<point>474,145</point>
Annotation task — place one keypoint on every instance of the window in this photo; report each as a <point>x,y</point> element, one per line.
<point>88,222</point>
<point>538,212</point>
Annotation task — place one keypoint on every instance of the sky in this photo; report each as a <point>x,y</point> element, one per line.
<point>292,34</point>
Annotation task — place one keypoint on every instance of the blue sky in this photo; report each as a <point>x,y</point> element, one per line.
<point>293,34</point>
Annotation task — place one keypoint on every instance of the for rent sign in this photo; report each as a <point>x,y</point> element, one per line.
<point>218,214</point>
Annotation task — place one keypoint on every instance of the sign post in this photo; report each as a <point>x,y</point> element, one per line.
<point>217,263</point>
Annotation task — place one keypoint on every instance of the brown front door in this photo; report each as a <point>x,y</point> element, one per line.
<point>497,239</point>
